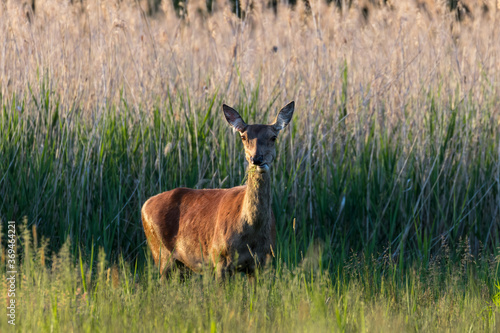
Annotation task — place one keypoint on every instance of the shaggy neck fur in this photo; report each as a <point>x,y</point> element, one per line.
<point>257,203</point>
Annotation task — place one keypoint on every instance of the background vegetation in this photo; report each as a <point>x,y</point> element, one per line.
<point>393,150</point>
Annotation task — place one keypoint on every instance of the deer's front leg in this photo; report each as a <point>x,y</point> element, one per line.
<point>223,269</point>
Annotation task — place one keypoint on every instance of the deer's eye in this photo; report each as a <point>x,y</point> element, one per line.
<point>243,138</point>
<point>273,139</point>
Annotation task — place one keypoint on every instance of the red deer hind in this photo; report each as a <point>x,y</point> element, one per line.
<point>230,229</point>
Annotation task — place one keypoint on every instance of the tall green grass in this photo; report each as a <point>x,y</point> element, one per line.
<point>403,190</point>
<point>394,144</point>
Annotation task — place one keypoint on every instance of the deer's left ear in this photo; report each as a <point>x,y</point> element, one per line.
<point>284,117</point>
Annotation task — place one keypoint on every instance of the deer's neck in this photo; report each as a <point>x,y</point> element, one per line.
<point>257,203</point>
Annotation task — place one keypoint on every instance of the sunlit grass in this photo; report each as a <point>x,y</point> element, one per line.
<point>366,294</point>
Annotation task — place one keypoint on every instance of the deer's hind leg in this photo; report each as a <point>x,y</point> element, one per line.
<point>162,256</point>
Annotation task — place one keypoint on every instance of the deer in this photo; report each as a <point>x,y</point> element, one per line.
<point>230,230</point>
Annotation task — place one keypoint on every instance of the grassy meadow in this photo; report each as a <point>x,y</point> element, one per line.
<point>386,187</point>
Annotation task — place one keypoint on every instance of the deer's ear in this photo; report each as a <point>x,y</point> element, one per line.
<point>284,117</point>
<point>233,118</point>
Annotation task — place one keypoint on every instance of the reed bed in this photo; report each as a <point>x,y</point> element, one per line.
<point>394,145</point>
<point>386,188</point>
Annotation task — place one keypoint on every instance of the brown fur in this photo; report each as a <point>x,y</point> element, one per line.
<point>229,229</point>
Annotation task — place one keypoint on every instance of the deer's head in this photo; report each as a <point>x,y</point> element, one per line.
<point>259,140</point>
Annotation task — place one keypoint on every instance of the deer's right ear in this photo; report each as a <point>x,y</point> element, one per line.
<point>233,118</point>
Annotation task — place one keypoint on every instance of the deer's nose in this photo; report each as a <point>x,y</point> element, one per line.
<point>257,160</point>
